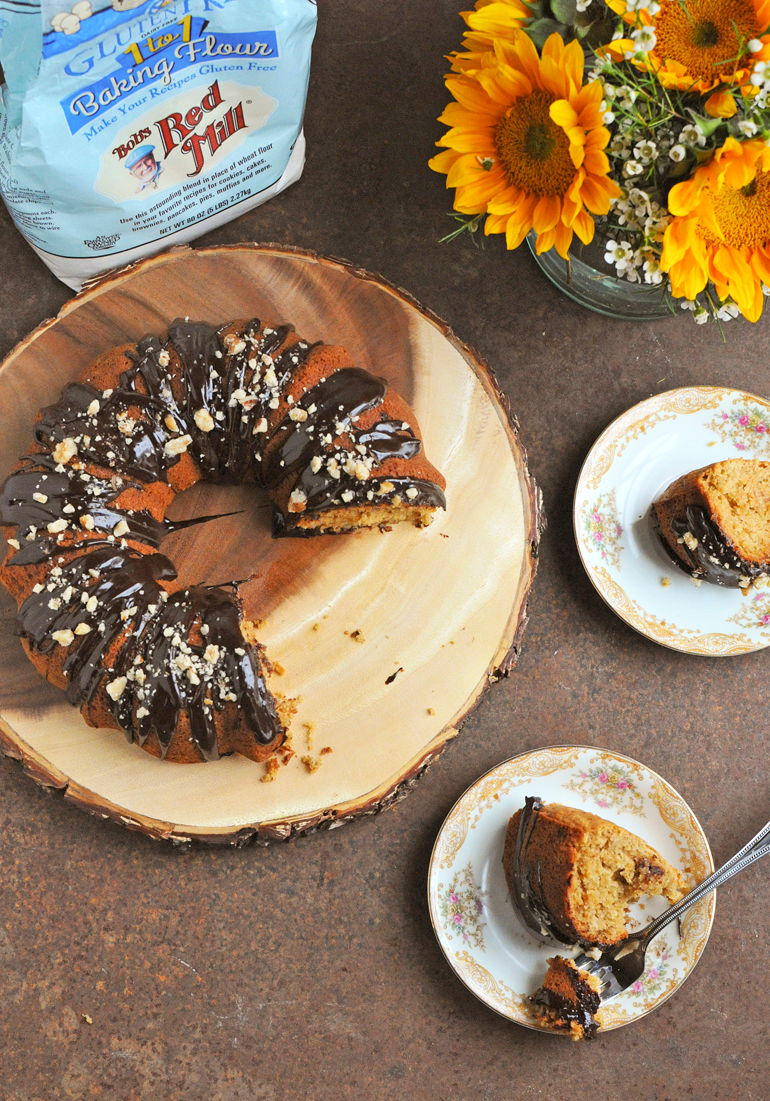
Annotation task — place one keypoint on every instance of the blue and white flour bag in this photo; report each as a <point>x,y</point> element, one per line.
<point>129,125</point>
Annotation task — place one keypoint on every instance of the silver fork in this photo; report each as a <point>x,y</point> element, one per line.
<point>620,966</point>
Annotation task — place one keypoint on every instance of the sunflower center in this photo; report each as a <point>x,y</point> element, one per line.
<point>539,142</point>
<point>533,150</point>
<point>742,215</point>
<point>705,36</point>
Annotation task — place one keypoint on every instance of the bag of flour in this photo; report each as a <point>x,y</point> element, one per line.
<point>129,125</point>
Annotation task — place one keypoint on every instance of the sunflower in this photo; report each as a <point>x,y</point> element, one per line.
<point>700,45</point>
<point>492,19</point>
<point>527,143</point>
<point>721,228</point>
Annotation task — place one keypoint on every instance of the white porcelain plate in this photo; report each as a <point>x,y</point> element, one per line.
<point>629,466</point>
<point>478,929</point>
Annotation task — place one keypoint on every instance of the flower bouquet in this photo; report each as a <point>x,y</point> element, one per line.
<point>644,124</point>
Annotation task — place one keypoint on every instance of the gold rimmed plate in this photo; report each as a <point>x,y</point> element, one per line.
<point>478,929</point>
<point>634,460</point>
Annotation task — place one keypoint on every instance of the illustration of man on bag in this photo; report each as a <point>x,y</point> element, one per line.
<point>142,165</point>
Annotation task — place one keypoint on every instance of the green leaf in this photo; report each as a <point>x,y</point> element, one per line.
<point>542,29</point>
<point>564,10</point>
<point>708,125</point>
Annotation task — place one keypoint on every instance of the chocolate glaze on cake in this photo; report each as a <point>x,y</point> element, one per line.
<point>713,559</point>
<point>84,513</point>
<point>528,885</point>
<point>111,595</point>
<point>570,998</point>
<point>714,522</point>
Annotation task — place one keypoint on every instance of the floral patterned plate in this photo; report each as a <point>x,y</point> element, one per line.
<point>479,931</point>
<point>628,467</point>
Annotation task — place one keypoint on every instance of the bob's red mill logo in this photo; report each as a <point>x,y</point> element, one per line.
<point>180,132</point>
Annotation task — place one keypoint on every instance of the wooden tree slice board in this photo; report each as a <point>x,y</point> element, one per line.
<point>445,605</point>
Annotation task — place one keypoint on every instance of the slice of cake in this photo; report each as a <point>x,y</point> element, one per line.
<point>715,522</point>
<point>572,875</point>
<point>568,1000</point>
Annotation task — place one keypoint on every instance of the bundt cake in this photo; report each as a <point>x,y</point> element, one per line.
<point>572,874</point>
<point>568,1000</point>
<point>84,515</point>
<point>715,522</point>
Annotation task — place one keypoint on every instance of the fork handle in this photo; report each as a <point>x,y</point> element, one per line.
<point>736,864</point>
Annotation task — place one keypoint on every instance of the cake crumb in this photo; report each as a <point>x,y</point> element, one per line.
<point>431,710</point>
<point>278,668</point>
<point>87,1019</point>
<point>312,764</point>
<point>249,629</point>
<point>696,581</point>
<point>316,626</point>
<point>665,581</point>
<point>271,771</point>
<point>357,636</point>
<point>287,709</point>
<point>309,731</point>
<point>326,749</point>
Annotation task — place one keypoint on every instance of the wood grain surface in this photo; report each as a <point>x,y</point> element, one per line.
<point>443,608</point>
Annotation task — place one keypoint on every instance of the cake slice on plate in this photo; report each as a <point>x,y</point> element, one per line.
<point>572,875</point>
<point>715,522</point>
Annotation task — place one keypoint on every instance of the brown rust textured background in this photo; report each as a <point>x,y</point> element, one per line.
<point>309,970</point>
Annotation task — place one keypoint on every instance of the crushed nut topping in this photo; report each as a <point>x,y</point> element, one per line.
<point>178,445</point>
<point>65,450</point>
<point>204,420</point>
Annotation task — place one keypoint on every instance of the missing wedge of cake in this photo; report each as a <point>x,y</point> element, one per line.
<point>714,522</point>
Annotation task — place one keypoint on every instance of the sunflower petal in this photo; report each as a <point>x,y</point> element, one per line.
<point>721,105</point>
<point>585,227</point>
<point>597,192</point>
<point>465,170</point>
<point>470,94</point>
<point>547,213</point>
<point>760,265</point>
<point>683,197</point>
<point>562,239</point>
<point>490,82</point>
<point>495,223</point>
<point>574,61</point>
<point>461,140</point>
<point>513,83</point>
<point>563,114</point>
<point>442,162</point>
<point>545,241</point>
<point>527,56</point>
<point>478,193</point>
<point>506,201</point>
<point>517,230</point>
<point>597,162</point>
<point>577,154</point>
<point>454,114</point>
<point>497,19</point>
